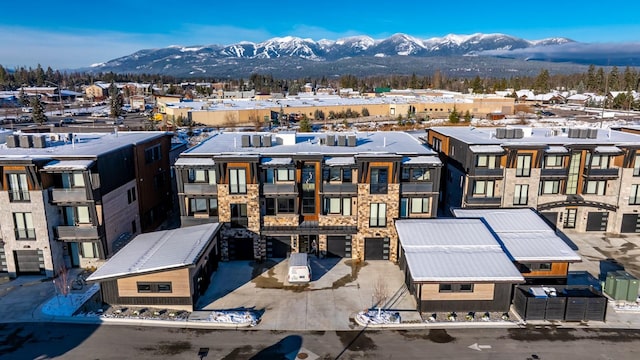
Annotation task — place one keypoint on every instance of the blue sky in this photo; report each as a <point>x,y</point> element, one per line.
<point>72,34</point>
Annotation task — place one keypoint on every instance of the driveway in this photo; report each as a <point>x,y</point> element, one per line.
<point>339,289</point>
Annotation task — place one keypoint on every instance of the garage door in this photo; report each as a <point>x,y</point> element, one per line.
<point>338,246</point>
<point>3,260</point>
<point>551,217</point>
<point>597,221</point>
<point>278,246</point>
<point>241,249</point>
<point>29,261</point>
<point>376,248</point>
<point>630,223</point>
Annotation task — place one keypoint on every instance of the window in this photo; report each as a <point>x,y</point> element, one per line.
<point>205,206</point>
<point>574,174</point>
<point>523,165</point>
<point>239,217</point>
<point>446,288</point>
<point>636,166</point>
<point>309,189</point>
<point>415,174</point>
<point>76,215</point>
<point>486,161</point>
<point>337,206</point>
<point>23,222</point>
<point>598,161</point>
<point>158,181</point>
<point>203,176</point>
<point>521,195</point>
<point>553,161</point>
<point>154,287</point>
<point>483,188</point>
<point>634,198</point>
<point>410,206</point>
<point>595,187</point>
<point>18,187</point>
<point>152,154</point>
<point>72,180</point>
<point>275,206</point>
<point>525,268</point>
<point>131,195</point>
<point>379,180</point>
<point>378,215</point>
<point>436,144</point>
<point>286,175</point>
<point>89,250</point>
<point>237,181</point>
<point>548,187</point>
<point>335,174</point>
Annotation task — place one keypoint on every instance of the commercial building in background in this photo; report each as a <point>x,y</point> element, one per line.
<point>70,200</point>
<point>334,194</point>
<point>584,179</point>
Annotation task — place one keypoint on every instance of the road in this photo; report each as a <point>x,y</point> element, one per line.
<point>75,341</point>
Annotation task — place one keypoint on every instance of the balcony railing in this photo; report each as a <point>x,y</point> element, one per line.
<point>200,189</point>
<point>343,188</point>
<point>25,234</point>
<point>68,195</point>
<point>416,188</point>
<point>238,222</point>
<point>554,173</point>
<point>74,233</point>
<point>273,189</point>
<point>19,195</point>
<point>484,201</point>
<point>380,188</point>
<point>484,172</point>
<point>609,173</point>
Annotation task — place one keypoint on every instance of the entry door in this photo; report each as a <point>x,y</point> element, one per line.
<point>570,218</point>
<point>306,243</point>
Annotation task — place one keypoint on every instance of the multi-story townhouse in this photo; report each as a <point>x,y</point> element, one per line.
<point>585,179</point>
<point>332,194</point>
<point>70,200</point>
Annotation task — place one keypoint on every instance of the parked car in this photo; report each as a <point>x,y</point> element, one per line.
<point>118,121</point>
<point>25,118</point>
<point>68,121</point>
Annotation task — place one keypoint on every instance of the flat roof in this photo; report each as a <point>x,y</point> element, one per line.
<point>367,143</point>
<point>539,136</point>
<point>525,235</point>
<point>160,250</point>
<point>454,250</point>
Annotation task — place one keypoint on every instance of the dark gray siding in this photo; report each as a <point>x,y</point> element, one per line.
<point>110,296</point>
<point>501,302</point>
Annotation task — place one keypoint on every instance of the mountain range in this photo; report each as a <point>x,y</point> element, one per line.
<point>362,55</point>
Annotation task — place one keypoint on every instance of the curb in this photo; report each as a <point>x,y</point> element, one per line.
<point>437,325</point>
<point>142,322</point>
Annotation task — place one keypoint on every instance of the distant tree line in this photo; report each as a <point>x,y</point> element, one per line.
<point>597,80</point>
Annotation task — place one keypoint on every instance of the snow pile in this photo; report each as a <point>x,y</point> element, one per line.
<point>234,317</point>
<point>61,305</point>
<point>377,318</point>
<point>627,306</point>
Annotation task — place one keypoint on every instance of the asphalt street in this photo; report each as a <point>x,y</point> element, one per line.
<point>62,341</point>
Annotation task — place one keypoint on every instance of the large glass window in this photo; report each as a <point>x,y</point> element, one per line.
<point>239,216</point>
<point>595,187</point>
<point>335,174</point>
<point>275,206</point>
<point>237,181</point>
<point>523,165</point>
<point>208,206</point>
<point>486,161</point>
<point>18,187</point>
<point>207,176</point>
<point>337,206</point>
<point>410,206</point>
<point>521,195</point>
<point>89,250</point>
<point>574,174</point>
<point>483,188</point>
<point>548,187</point>
<point>416,174</point>
<point>634,198</point>
<point>598,161</point>
<point>72,180</point>
<point>553,161</point>
<point>379,180</point>
<point>76,215</point>
<point>23,222</point>
<point>636,166</point>
<point>309,189</point>
<point>378,215</point>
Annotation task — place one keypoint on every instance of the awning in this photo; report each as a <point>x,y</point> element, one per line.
<point>340,161</point>
<point>608,150</point>
<point>276,161</point>
<point>68,165</point>
<point>486,149</point>
<point>556,150</point>
<point>193,161</point>
<point>421,160</point>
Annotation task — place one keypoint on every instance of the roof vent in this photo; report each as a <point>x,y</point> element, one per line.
<point>331,140</point>
<point>501,133</point>
<point>246,141</point>
<point>593,134</point>
<point>26,141</point>
<point>40,141</point>
<point>266,141</point>
<point>583,133</point>
<point>256,140</point>
<point>351,140</point>
<point>342,140</point>
<point>13,141</point>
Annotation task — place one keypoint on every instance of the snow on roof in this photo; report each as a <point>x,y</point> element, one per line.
<point>486,149</point>
<point>454,250</point>
<point>608,150</point>
<point>68,165</point>
<point>160,250</point>
<point>276,161</point>
<point>556,150</point>
<point>340,161</point>
<point>194,161</point>
<point>421,160</point>
<point>524,234</point>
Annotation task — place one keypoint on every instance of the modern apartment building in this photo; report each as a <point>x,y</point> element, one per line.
<point>72,199</point>
<point>332,194</point>
<point>586,179</point>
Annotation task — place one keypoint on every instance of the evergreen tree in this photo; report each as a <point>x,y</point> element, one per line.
<point>38,111</point>
<point>467,116</point>
<point>614,79</point>
<point>115,101</point>
<point>476,85</point>
<point>592,83</point>
<point>454,116</point>
<point>541,84</point>
<point>365,111</point>
<point>305,124</point>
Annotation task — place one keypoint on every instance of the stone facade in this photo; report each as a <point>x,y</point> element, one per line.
<point>365,199</point>
<point>252,199</point>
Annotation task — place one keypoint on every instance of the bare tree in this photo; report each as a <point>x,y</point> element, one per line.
<point>62,282</point>
<point>380,292</point>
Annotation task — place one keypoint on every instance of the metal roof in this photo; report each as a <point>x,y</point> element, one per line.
<point>441,250</point>
<point>524,234</point>
<point>340,161</point>
<point>68,165</point>
<point>276,161</point>
<point>486,149</point>
<point>194,161</point>
<point>160,250</point>
<point>421,160</point>
<point>556,150</point>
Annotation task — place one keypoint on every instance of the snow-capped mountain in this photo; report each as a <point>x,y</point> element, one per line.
<point>306,53</point>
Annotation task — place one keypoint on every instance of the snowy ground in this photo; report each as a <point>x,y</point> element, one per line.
<point>61,305</point>
<point>378,317</point>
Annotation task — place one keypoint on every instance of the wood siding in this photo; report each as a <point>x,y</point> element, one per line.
<point>558,269</point>
<point>501,301</point>
<point>179,279</point>
<point>480,292</point>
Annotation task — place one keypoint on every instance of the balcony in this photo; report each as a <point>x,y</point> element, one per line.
<point>416,188</point>
<point>554,173</point>
<point>340,188</point>
<point>68,195</point>
<point>594,173</point>
<point>200,189</point>
<point>483,201</point>
<point>275,189</point>
<point>77,233</point>
<point>485,172</point>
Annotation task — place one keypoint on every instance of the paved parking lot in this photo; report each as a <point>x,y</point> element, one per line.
<point>339,289</point>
